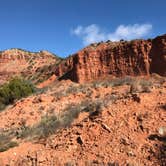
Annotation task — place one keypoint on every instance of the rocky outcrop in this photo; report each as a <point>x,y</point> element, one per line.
<point>97,61</point>
<point>101,60</point>
<point>158,55</point>
<point>16,62</point>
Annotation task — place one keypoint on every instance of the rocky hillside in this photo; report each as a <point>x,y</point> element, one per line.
<point>117,122</point>
<point>33,66</point>
<point>100,60</point>
<point>97,61</point>
<point>91,117</point>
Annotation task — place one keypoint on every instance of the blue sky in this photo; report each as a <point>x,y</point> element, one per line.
<point>65,26</point>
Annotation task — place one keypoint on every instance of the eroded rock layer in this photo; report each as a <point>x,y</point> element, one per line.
<point>30,65</point>
<point>101,60</point>
<point>158,55</point>
<point>97,61</point>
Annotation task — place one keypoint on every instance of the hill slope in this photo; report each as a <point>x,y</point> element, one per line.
<point>93,118</point>
<point>33,66</point>
<point>115,125</point>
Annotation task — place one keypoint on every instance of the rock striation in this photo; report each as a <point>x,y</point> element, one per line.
<point>158,55</point>
<point>96,61</point>
<point>16,62</point>
<point>104,59</point>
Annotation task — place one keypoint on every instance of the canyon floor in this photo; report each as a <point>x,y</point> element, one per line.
<point>113,122</point>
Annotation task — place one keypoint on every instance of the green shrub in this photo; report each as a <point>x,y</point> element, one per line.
<point>15,89</point>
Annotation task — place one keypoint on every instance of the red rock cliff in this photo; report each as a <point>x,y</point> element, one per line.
<point>158,55</point>
<point>137,57</point>
<point>97,61</point>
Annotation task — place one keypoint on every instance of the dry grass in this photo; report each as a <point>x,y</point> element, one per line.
<point>6,142</point>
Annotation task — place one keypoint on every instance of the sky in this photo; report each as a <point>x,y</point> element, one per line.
<point>65,26</point>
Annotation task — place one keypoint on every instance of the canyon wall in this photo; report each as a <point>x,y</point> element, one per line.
<point>158,55</point>
<point>96,61</point>
<point>101,60</point>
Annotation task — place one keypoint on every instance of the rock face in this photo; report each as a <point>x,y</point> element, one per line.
<point>101,60</point>
<point>158,55</point>
<point>97,61</point>
<point>20,62</point>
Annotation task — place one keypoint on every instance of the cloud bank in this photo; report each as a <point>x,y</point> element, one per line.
<point>94,33</point>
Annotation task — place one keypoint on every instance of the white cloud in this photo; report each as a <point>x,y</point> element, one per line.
<point>78,30</point>
<point>94,33</point>
<point>89,34</point>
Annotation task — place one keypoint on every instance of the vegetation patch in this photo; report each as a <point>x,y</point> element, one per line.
<point>6,142</point>
<point>15,89</point>
<point>47,126</point>
<point>141,85</point>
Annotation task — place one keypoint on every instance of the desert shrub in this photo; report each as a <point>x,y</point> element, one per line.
<point>6,143</point>
<point>121,81</point>
<point>135,87</point>
<point>114,82</point>
<point>91,107</point>
<point>74,89</point>
<point>47,126</point>
<point>141,85</point>
<point>71,113</point>
<point>159,79</point>
<point>146,85</point>
<point>87,88</point>
<point>15,89</point>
